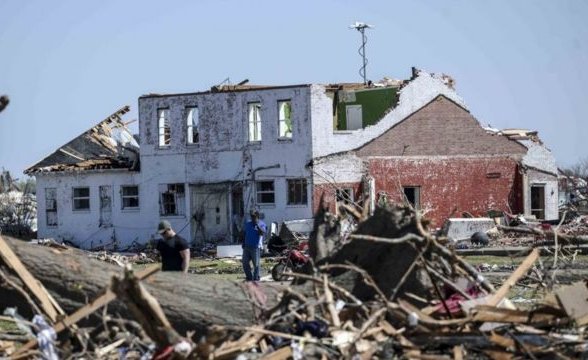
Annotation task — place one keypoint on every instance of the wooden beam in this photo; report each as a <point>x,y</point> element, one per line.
<point>32,284</point>
<point>514,277</point>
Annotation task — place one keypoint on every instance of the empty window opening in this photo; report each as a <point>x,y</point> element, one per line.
<point>81,198</point>
<point>412,196</point>
<point>51,206</point>
<point>344,196</point>
<point>538,201</point>
<point>353,114</point>
<point>164,128</point>
<point>130,197</point>
<point>254,111</point>
<point>172,199</point>
<point>192,121</point>
<point>297,192</point>
<point>265,192</point>
<point>285,119</point>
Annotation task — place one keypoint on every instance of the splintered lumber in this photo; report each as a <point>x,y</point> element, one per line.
<point>36,288</point>
<point>513,278</point>
<point>145,309</point>
<point>88,309</point>
<point>190,302</point>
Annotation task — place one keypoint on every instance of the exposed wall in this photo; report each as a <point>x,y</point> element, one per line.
<point>83,227</point>
<point>413,96</point>
<point>374,102</point>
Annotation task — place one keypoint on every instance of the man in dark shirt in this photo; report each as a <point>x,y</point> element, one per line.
<point>174,249</point>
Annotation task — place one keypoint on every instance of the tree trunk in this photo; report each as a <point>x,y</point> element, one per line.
<point>190,302</point>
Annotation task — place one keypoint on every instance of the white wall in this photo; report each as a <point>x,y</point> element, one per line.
<point>82,227</point>
<point>224,153</point>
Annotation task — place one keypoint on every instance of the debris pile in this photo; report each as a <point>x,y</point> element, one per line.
<point>18,208</point>
<point>388,290</point>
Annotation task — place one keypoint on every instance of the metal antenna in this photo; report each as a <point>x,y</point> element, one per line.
<point>359,26</point>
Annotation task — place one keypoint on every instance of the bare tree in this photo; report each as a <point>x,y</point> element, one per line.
<point>3,102</point>
<point>579,169</point>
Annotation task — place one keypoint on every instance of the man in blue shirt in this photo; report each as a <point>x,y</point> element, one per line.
<point>253,235</point>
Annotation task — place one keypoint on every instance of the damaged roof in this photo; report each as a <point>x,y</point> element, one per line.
<point>108,145</point>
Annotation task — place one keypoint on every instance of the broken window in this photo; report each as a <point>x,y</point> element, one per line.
<point>297,192</point>
<point>254,113</point>
<point>164,128</point>
<point>344,195</point>
<point>130,197</point>
<point>51,206</point>
<point>81,198</point>
<point>412,195</point>
<point>172,199</point>
<point>285,119</point>
<point>192,122</point>
<point>265,192</point>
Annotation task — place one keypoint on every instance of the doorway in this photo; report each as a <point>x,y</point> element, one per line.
<point>538,201</point>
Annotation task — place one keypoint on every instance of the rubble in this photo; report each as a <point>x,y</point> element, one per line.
<point>390,289</point>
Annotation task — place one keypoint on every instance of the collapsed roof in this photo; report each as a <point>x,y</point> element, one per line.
<point>108,145</point>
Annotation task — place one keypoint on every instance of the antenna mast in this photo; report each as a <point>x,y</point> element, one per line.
<point>359,26</point>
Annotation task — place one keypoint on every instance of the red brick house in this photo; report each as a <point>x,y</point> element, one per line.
<point>441,159</point>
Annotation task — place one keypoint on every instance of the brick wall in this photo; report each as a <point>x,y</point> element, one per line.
<point>452,185</point>
<point>440,128</point>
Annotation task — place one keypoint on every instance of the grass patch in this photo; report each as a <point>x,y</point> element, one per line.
<point>507,260</point>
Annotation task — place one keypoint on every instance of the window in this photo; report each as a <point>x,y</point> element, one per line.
<point>130,197</point>
<point>265,192</point>
<point>254,113</point>
<point>538,201</point>
<point>164,128</point>
<point>51,206</point>
<point>172,199</point>
<point>192,122</point>
<point>81,198</point>
<point>412,195</point>
<point>285,119</point>
<point>297,194</point>
<point>344,195</point>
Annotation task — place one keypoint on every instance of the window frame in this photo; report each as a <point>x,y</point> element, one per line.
<point>123,197</point>
<point>254,123</point>
<point>417,195</point>
<point>163,129</point>
<point>259,193</point>
<point>51,209</point>
<point>283,120</point>
<point>79,198</point>
<point>303,192</point>
<point>192,125</point>
<point>176,192</point>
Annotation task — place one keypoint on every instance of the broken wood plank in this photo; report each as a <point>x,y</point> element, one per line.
<point>514,277</point>
<point>280,354</point>
<point>34,286</point>
<point>87,310</point>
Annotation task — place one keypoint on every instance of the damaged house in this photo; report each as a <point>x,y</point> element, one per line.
<point>207,158</point>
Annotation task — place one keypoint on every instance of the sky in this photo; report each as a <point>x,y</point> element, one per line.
<point>66,65</point>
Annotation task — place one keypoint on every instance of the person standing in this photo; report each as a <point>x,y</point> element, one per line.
<point>174,249</point>
<point>252,244</point>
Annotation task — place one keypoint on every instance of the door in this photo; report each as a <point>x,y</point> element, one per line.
<point>538,201</point>
<point>209,208</point>
<point>354,117</point>
<point>105,206</point>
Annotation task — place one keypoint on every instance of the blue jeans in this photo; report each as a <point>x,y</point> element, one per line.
<point>251,255</point>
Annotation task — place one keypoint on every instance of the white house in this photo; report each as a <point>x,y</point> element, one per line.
<point>203,160</point>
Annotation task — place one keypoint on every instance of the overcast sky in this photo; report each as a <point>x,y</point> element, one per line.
<point>66,65</point>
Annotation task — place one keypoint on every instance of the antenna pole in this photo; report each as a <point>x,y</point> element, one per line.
<point>361,28</point>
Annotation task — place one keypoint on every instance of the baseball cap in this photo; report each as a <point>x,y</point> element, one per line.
<point>163,226</point>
